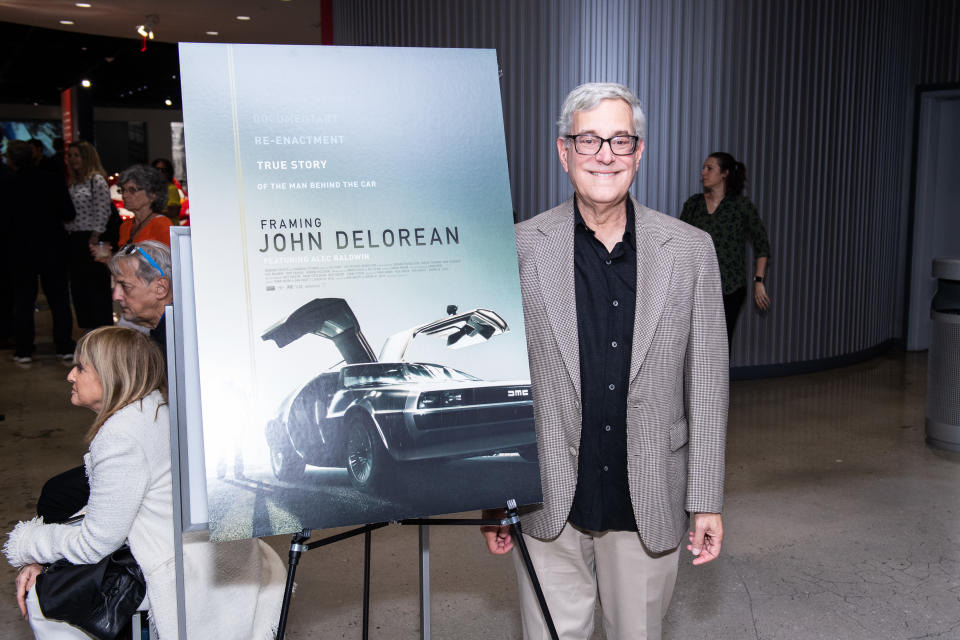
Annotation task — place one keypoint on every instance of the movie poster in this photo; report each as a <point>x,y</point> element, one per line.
<point>361,339</point>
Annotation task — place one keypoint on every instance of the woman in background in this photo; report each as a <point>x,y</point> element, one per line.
<point>89,279</point>
<point>174,194</point>
<point>144,191</point>
<point>731,219</point>
<point>233,590</point>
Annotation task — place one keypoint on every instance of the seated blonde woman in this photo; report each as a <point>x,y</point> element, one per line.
<point>234,590</point>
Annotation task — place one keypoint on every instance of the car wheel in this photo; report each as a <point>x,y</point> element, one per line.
<point>367,460</point>
<point>529,453</point>
<point>286,463</point>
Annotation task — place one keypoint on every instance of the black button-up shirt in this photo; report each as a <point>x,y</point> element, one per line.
<point>606,292</point>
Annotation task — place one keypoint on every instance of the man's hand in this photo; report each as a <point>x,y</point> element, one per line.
<point>25,580</point>
<point>706,537</point>
<point>498,539</point>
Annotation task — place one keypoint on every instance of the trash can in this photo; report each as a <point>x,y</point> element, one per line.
<point>943,359</point>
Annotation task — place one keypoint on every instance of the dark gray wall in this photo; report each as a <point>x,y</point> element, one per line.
<point>816,97</point>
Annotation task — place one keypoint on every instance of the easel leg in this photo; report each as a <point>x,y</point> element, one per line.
<point>366,585</point>
<point>296,549</point>
<point>514,518</point>
<point>424,582</point>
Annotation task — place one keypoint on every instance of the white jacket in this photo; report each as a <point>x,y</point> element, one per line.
<point>233,590</point>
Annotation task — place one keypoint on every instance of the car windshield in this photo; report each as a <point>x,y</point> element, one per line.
<point>372,375</point>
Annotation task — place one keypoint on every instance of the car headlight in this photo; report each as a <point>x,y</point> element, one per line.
<point>437,399</point>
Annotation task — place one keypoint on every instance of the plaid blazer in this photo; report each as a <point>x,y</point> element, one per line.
<point>677,399</point>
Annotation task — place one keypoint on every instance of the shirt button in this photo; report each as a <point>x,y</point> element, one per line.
<point>614,344</point>
<point>607,428</point>
<point>606,468</point>
<point>608,261</point>
<point>616,303</point>
<point>612,387</point>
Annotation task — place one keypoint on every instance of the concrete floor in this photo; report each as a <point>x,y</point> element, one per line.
<point>840,523</point>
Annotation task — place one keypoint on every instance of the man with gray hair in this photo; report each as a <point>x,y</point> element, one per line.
<point>628,360</point>
<point>142,287</point>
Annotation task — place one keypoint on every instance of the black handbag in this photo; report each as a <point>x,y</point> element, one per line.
<point>98,598</point>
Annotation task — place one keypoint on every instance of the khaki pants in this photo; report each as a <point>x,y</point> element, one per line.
<point>578,567</point>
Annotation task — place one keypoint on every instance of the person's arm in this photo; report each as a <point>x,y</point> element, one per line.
<point>119,475</point>
<point>706,390</point>
<point>760,296</point>
<point>757,234</point>
<point>688,208</point>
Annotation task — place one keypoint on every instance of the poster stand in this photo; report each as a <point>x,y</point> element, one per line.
<point>299,544</point>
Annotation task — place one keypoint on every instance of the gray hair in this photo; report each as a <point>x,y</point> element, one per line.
<point>588,96</point>
<point>150,180</point>
<point>145,271</point>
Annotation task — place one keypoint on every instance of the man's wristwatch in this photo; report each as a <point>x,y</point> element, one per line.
<point>758,278</point>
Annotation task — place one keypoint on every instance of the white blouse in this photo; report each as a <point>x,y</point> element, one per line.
<point>91,199</point>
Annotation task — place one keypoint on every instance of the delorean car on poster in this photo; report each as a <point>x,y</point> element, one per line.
<point>378,411</point>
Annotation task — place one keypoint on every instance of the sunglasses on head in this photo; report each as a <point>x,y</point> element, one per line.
<point>131,249</point>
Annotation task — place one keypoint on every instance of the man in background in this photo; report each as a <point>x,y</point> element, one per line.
<point>35,206</point>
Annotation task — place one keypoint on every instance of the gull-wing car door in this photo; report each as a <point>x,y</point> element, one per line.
<point>330,318</point>
<point>459,329</point>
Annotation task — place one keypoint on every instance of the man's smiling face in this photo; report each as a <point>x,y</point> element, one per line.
<point>603,179</point>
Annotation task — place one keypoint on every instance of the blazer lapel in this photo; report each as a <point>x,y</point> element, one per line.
<point>554,260</point>
<point>654,269</point>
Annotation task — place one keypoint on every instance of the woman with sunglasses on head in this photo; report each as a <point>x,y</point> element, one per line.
<point>731,219</point>
<point>89,280</point>
<point>233,590</point>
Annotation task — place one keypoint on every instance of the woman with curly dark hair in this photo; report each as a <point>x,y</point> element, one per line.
<point>144,191</point>
<point>731,219</point>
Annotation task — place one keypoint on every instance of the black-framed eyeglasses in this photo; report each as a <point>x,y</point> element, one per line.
<point>129,190</point>
<point>131,249</point>
<point>588,144</point>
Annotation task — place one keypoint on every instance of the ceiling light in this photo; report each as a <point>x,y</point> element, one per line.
<point>84,5</point>
<point>66,22</point>
<point>243,17</point>
<point>85,83</point>
<point>168,102</point>
<point>145,30</point>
